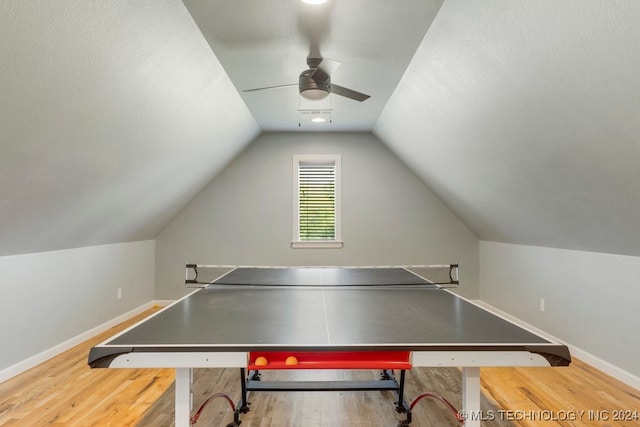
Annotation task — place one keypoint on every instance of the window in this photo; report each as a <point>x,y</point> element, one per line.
<point>316,195</point>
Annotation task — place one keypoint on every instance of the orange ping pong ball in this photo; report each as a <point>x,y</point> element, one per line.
<point>261,361</point>
<point>291,360</point>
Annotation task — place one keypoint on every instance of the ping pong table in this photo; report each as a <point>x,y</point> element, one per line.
<point>329,317</point>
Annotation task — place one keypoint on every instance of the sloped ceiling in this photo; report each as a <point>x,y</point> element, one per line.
<point>524,117</point>
<point>113,115</point>
<point>266,43</point>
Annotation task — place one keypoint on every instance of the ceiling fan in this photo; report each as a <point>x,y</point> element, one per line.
<point>315,82</point>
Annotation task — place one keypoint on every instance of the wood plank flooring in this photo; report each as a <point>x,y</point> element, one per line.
<point>64,391</point>
<point>316,409</point>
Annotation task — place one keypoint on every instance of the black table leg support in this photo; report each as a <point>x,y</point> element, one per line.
<point>243,405</point>
<point>402,407</point>
<point>253,383</point>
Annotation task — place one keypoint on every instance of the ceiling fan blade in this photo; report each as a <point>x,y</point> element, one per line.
<point>270,87</point>
<point>325,69</point>
<point>329,65</point>
<point>348,93</point>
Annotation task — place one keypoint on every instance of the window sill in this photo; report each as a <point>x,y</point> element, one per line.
<point>333,244</point>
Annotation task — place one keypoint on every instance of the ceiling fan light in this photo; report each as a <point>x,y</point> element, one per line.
<point>312,89</point>
<point>314,1</point>
<point>318,120</point>
<point>314,94</point>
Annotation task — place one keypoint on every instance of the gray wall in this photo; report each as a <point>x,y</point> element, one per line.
<point>51,297</point>
<point>591,299</point>
<point>245,215</point>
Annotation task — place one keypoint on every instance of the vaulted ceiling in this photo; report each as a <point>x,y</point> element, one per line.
<point>113,116</point>
<point>524,117</point>
<point>262,44</point>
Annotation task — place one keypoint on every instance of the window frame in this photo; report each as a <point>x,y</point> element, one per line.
<point>336,159</point>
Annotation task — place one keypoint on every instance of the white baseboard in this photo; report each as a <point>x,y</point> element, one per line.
<point>596,362</point>
<point>39,358</point>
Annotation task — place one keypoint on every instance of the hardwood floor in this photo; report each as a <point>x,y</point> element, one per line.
<point>317,409</point>
<point>64,391</point>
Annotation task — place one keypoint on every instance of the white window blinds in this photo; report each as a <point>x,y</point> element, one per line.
<point>317,216</point>
<point>317,201</point>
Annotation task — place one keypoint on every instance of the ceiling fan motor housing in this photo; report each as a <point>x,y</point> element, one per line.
<point>311,88</point>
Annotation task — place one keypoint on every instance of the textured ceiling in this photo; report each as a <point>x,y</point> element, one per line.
<point>266,43</point>
<point>524,117</point>
<point>113,115</point>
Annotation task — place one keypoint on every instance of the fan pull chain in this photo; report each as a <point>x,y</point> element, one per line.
<point>330,108</point>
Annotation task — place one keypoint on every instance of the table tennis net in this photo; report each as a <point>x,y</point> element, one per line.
<point>202,275</point>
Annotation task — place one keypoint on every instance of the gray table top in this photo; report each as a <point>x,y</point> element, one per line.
<point>240,317</point>
<point>258,316</point>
